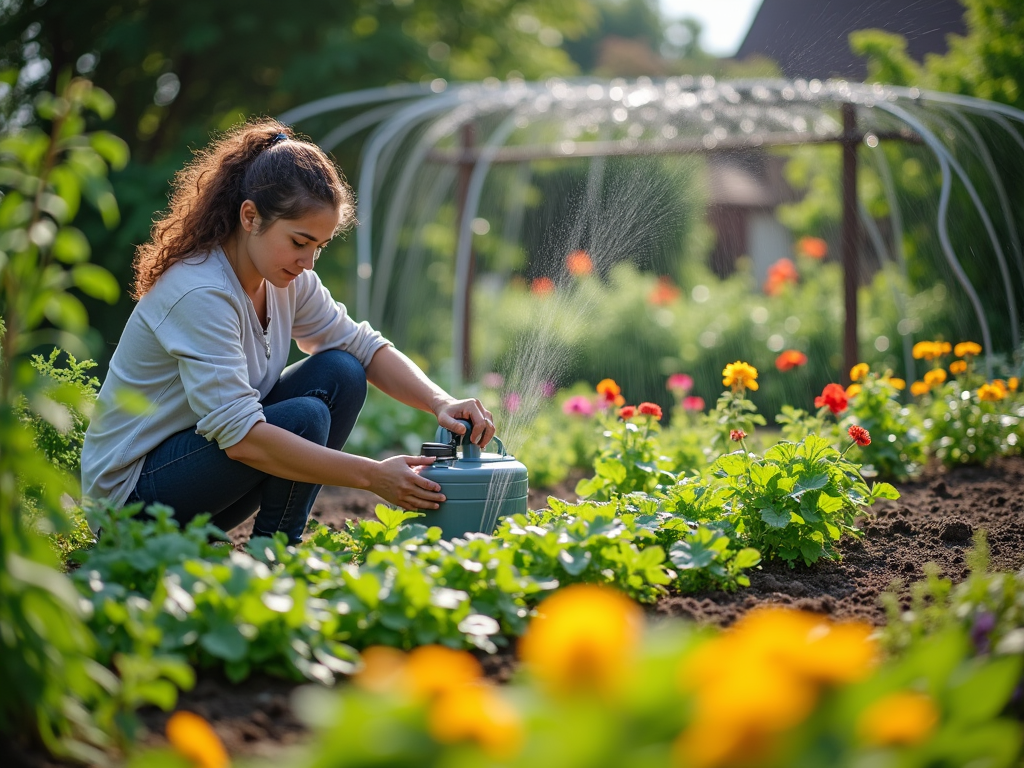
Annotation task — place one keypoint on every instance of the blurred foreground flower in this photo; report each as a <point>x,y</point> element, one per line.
<point>693,403</point>
<point>578,404</point>
<point>931,350</point>
<point>853,390</point>
<point>740,376</point>
<point>664,292</point>
<point>763,677</point>
<point>781,273</point>
<point>901,718</point>
<point>967,349</point>
<point>833,397</point>
<point>859,371</point>
<point>579,263</point>
<point>934,377</point>
<point>492,380</point>
<point>478,713</point>
<point>896,383</point>
<point>991,392</point>
<point>193,737</point>
<point>583,640</point>
<point>627,412</point>
<point>512,401</point>
<point>919,388</point>
<point>680,383</point>
<point>541,286</point>
<point>790,359</point>
<point>957,367</point>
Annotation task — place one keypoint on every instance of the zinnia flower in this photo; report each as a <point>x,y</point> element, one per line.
<point>679,382</point>
<point>991,392</point>
<point>548,388</point>
<point>626,413</point>
<point>650,409</point>
<point>957,367</point>
<point>790,359</point>
<point>859,371</point>
<point>740,376</point>
<point>492,380</point>
<point>693,403</point>
<point>611,392</point>
<point>859,435</point>
<point>578,405</point>
<point>919,388</point>
<point>578,263</point>
<point>901,718</point>
<point>542,286</point>
<point>814,247</point>
<point>736,435</point>
<point>192,736</point>
<point>934,377</point>
<point>967,349</point>
<point>833,397</point>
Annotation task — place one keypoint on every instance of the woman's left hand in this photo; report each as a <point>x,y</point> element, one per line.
<point>472,411</point>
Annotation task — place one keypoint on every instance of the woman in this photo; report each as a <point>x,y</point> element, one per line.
<point>223,286</point>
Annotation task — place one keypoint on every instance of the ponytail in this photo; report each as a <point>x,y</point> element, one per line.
<point>261,161</point>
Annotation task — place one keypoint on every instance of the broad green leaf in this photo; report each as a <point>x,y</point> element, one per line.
<point>393,518</point>
<point>95,281</point>
<point>733,464</point>
<point>830,504</point>
<point>884,491</point>
<point>747,557</point>
<point>575,562</point>
<point>70,246</point>
<point>111,148</point>
<point>67,312</point>
<point>224,641</point>
<point>986,689</point>
<point>812,483</point>
<point>762,474</point>
<point>610,469</point>
<point>775,518</point>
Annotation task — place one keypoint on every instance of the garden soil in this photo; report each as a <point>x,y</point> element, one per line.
<point>934,521</point>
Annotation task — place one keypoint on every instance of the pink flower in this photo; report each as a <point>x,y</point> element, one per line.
<point>512,402</point>
<point>548,388</point>
<point>578,404</point>
<point>492,380</point>
<point>679,382</point>
<point>693,403</point>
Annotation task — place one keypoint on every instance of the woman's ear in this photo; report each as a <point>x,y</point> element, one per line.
<point>249,217</point>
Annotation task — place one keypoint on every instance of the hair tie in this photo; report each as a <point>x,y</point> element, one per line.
<point>279,138</point>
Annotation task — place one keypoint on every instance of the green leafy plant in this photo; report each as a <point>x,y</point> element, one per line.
<point>896,451</point>
<point>630,459</point>
<point>970,426</point>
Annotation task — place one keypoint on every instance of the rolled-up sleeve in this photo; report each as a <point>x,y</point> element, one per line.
<point>322,323</point>
<point>203,332</point>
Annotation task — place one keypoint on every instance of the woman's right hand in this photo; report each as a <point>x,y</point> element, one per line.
<point>397,480</point>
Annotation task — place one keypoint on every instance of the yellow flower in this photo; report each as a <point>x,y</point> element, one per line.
<point>740,376</point>
<point>957,367</point>
<point>583,639</point>
<point>1013,383</point>
<point>965,348</point>
<point>434,669</point>
<point>991,392</point>
<point>930,350</point>
<point>853,390</point>
<point>479,713</point>
<point>919,388</point>
<point>896,383</point>
<point>383,669</point>
<point>901,718</point>
<point>934,377</point>
<point>192,736</point>
<point>858,372</point>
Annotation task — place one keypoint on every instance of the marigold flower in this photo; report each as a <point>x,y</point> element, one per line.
<point>736,435</point>
<point>853,390</point>
<point>814,247</point>
<point>859,371</point>
<point>611,392</point>
<point>957,367</point>
<point>583,639</point>
<point>431,670</point>
<point>967,349</point>
<point>693,403</point>
<point>628,412</point>
<point>664,292</point>
<point>931,350</point>
<point>919,388</point>
<point>578,405</point>
<point>740,375</point>
<point>992,392</point>
<point>896,383</point>
<point>1013,383</point>
<point>383,669</point>
<point>790,359</point>
<point>477,713</point>
<point>542,286</point>
<point>193,737</point>
<point>650,409</point>
<point>934,377</point>
<point>859,435</point>
<point>578,263</point>
<point>834,397</point>
<point>679,382</point>
<point>901,718</point>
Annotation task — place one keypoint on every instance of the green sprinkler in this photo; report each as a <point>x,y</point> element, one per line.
<point>480,488</point>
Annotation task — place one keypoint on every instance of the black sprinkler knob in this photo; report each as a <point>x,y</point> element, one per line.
<point>440,450</point>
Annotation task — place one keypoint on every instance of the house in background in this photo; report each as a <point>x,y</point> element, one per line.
<point>808,39</point>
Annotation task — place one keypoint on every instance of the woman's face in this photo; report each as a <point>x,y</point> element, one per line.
<point>282,250</point>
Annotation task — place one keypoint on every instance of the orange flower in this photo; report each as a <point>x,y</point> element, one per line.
<point>192,736</point>
<point>479,713</point>
<point>853,390</point>
<point>957,367</point>
<point>542,286</point>
<point>790,359</point>
<point>934,377</point>
<point>627,413</point>
<point>901,718</point>
<point>992,392</point>
<point>611,392</point>
<point>578,263</point>
<point>433,669</point>
<point>1012,383</point>
<point>895,383</point>
<point>780,273</point>
<point>919,388</point>
<point>814,247</point>
<point>930,350</point>
<point>650,409</point>
<point>664,292</point>
<point>967,349</point>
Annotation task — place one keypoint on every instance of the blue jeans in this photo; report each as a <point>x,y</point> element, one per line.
<point>318,398</point>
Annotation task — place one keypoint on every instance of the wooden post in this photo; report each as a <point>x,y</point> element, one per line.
<point>466,165</point>
<point>851,238</point>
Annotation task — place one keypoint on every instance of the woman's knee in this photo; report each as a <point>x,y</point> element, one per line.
<point>349,373</point>
<point>308,417</point>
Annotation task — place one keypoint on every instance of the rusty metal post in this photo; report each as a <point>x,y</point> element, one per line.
<point>467,162</point>
<point>851,238</point>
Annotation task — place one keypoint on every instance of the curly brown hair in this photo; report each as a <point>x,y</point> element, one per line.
<point>285,177</point>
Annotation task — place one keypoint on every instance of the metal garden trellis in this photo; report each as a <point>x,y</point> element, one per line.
<point>473,127</point>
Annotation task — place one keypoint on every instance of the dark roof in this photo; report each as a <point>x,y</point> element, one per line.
<point>810,38</point>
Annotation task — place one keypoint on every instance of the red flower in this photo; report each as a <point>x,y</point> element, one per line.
<point>650,409</point>
<point>693,403</point>
<point>834,397</point>
<point>664,292</point>
<point>627,412</point>
<point>781,272</point>
<point>542,286</point>
<point>790,359</point>
<point>859,435</point>
<point>736,435</point>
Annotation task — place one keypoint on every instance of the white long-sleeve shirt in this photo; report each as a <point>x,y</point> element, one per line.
<point>194,355</point>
